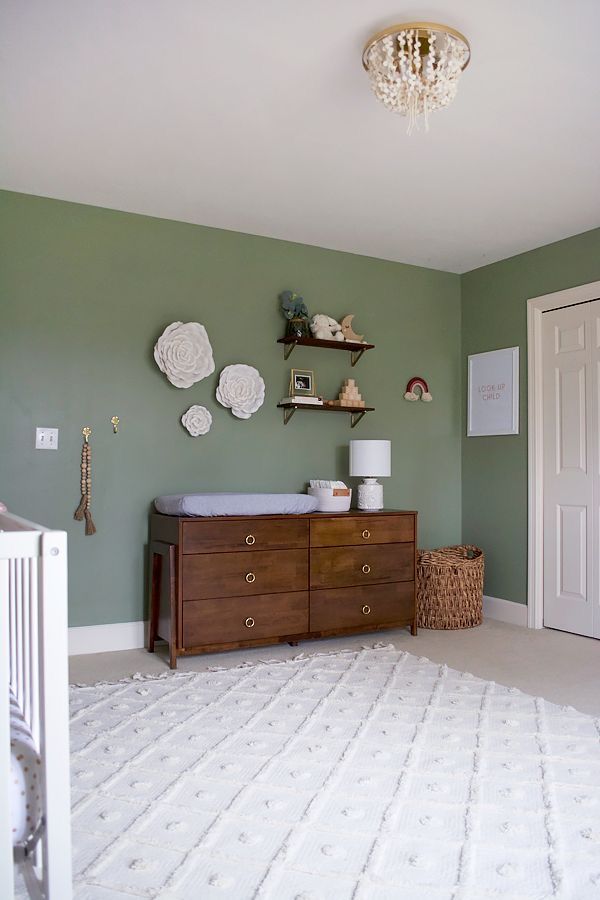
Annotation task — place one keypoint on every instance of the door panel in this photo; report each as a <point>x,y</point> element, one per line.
<point>597,448</point>
<point>571,411</point>
<point>568,339</point>
<point>571,553</point>
<point>571,419</point>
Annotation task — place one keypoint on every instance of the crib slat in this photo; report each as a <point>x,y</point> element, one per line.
<point>6,850</point>
<point>19,619</point>
<point>34,652</point>
<point>26,641</point>
<point>12,612</point>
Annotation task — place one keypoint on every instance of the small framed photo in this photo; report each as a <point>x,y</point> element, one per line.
<point>302,381</point>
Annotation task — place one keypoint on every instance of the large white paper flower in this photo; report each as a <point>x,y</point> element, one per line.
<point>197,420</point>
<point>184,354</point>
<point>241,389</point>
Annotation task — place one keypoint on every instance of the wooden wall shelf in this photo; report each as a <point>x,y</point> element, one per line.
<point>354,347</point>
<point>356,412</point>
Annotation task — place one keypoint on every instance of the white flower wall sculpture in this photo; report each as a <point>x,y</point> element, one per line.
<point>241,389</point>
<point>183,352</point>
<point>197,420</point>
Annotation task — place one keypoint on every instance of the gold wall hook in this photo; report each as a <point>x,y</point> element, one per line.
<point>86,432</point>
<point>115,423</point>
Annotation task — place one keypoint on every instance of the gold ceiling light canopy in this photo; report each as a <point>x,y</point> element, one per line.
<point>414,67</point>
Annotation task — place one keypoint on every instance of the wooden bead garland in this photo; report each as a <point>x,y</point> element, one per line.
<point>83,510</point>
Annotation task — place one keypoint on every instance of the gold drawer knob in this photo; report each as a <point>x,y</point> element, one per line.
<point>366,534</point>
<point>249,623</point>
<point>366,568</point>
<point>250,577</point>
<point>250,539</point>
<point>366,610</point>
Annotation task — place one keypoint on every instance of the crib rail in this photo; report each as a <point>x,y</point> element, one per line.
<point>34,664</point>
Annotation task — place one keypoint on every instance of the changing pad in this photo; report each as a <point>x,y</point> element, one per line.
<point>25,770</point>
<point>231,504</point>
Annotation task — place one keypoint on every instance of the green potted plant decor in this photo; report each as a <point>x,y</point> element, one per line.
<point>295,311</point>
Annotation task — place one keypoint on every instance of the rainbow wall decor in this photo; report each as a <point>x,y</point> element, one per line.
<point>411,393</point>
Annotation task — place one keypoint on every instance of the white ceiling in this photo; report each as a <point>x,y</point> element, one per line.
<point>258,117</point>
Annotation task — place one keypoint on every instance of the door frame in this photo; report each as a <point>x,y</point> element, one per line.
<point>535,439</point>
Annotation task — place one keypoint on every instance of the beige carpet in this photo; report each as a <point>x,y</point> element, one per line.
<point>563,668</point>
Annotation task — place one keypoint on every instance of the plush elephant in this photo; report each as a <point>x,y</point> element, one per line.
<point>325,328</point>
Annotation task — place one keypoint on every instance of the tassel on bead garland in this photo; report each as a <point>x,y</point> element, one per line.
<point>83,510</point>
<point>90,528</point>
<point>79,511</point>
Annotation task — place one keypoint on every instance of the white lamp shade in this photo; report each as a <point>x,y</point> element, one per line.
<point>370,459</point>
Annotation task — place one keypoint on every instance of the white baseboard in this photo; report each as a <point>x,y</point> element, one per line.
<point>505,611</point>
<point>104,638</point>
<point>132,635</point>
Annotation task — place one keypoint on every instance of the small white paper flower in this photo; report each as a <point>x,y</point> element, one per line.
<point>241,389</point>
<point>197,420</point>
<point>183,352</point>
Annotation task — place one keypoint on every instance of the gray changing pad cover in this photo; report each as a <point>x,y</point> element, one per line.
<point>231,504</point>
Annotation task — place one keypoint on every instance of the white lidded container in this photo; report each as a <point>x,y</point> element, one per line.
<point>329,501</point>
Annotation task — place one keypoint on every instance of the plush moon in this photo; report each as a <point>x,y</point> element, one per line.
<point>347,330</point>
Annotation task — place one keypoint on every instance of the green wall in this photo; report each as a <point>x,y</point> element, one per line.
<point>85,292</point>
<point>494,469</point>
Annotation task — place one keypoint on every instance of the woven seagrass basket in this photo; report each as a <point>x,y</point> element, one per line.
<point>450,587</point>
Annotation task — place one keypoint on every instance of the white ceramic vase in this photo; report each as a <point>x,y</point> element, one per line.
<point>370,494</point>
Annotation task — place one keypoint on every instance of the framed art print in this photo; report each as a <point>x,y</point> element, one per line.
<point>493,393</point>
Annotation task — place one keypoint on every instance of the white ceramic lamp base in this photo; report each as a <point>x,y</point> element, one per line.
<point>370,494</point>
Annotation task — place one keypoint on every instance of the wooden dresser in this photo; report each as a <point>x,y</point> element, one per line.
<point>229,582</point>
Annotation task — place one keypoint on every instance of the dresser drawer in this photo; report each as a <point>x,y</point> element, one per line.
<point>362,530</point>
<point>332,567</point>
<point>241,574</point>
<point>209,536</point>
<point>244,618</point>
<point>362,607</point>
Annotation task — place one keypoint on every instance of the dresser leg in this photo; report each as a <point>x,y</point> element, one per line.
<point>159,552</point>
<point>413,627</point>
<point>155,576</point>
<point>173,630</point>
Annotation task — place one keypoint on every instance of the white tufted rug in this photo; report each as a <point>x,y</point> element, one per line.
<point>368,774</point>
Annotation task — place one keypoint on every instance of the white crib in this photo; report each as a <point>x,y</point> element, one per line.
<point>34,671</point>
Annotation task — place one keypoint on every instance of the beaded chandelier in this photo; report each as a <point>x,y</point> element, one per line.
<point>414,68</point>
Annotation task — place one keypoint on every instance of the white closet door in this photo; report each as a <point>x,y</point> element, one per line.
<point>571,363</point>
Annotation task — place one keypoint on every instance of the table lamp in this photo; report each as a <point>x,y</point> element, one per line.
<point>370,460</point>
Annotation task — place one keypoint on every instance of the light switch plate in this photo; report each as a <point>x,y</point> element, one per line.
<point>46,438</point>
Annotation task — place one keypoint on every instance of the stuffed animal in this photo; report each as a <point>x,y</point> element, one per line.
<point>324,328</point>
